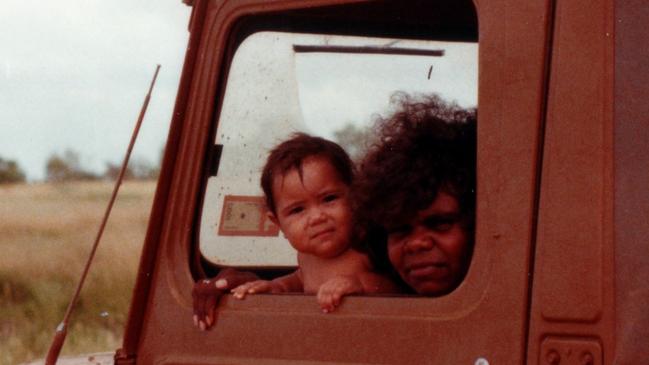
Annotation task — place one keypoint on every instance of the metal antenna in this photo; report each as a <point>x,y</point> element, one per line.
<point>62,328</point>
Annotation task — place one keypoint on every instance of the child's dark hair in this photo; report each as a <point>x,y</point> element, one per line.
<point>426,146</point>
<point>291,154</point>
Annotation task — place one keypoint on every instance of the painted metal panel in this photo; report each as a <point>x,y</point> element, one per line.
<point>574,268</point>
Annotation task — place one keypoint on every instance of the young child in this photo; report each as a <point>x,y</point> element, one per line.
<point>306,181</point>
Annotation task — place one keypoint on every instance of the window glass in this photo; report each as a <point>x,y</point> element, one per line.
<point>331,86</point>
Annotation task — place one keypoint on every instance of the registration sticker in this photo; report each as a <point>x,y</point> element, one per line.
<point>245,216</point>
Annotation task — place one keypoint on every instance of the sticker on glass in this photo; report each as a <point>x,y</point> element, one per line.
<point>245,216</point>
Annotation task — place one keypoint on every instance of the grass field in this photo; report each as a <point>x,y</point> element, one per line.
<point>46,232</point>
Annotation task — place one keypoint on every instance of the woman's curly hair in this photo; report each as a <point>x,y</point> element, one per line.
<point>427,145</point>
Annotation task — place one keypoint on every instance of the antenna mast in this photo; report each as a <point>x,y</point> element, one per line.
<point>62,328</point>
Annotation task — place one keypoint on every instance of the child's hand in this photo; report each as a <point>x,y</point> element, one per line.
<point>332,291</point>
<point>254,287</point>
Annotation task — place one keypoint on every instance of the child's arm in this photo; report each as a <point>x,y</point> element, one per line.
<point>284,284</point>
<point>376,283</point>
<point>331,292</point>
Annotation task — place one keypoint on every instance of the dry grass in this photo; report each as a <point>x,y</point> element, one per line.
<point>46,232</point>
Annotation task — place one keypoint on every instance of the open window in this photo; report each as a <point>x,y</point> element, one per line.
<point>327,85</point>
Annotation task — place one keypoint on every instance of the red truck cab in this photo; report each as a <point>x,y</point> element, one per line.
<point>558,273</point>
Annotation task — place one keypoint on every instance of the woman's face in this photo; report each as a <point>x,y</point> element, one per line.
<point>431,252</point>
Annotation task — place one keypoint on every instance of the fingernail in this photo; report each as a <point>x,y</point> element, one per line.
<point>195,320</point>
<point>209,321</point>
<point>221,284</point>
<point>201,325</point>
<point>324,310</point>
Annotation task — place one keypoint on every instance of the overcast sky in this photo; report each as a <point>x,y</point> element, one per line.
<point>74,73</point>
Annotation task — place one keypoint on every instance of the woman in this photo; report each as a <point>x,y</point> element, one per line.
<point>416,186</point>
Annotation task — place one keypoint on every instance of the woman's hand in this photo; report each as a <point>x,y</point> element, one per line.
<point>207,292</point>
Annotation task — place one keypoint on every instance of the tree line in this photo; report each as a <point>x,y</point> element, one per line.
<point>66,166</point>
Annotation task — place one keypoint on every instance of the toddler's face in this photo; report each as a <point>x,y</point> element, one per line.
<point>313,212</point>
